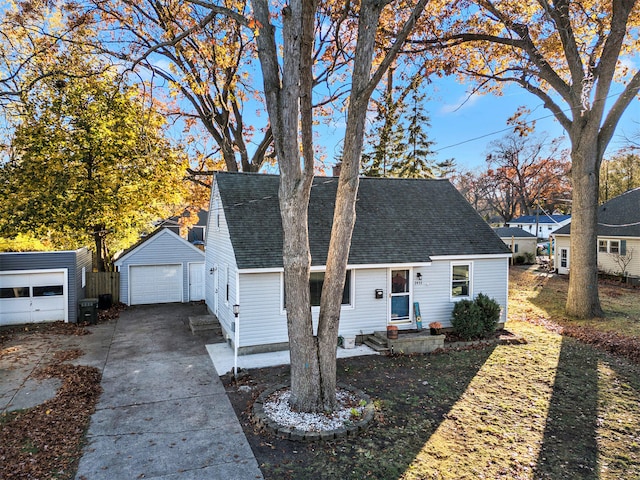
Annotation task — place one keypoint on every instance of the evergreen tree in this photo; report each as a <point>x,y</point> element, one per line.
<point>387,139</point>
<point>416,161</point>
<point>400,145</point>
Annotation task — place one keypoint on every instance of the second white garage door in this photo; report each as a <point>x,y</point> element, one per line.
<point>155,284</point>
<point>33,296</point>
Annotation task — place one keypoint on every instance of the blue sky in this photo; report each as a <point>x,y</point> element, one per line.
<point>463,127</point>
<point>485,116</point>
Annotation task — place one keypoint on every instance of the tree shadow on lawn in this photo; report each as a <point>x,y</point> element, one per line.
<point>569,447</point>
<point>412,393</point>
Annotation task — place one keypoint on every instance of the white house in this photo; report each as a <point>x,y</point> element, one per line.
<point>161,268</point>
<point>415,242</point>
<point>545,224</point>
<point>618,246</point>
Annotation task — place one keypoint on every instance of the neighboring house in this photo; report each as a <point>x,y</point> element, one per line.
<point>414,241</point>
<point>161,268</point>
<point>546,223</point>
<point>519,242</point>
<point>196,233</point>
<point>42,286</point>
<point>618,237</point>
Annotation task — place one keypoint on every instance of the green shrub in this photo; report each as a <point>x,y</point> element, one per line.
<point>490,312</point>
<point>529,258</point>
<point>518,260</point>
<point>475,319</point>
<point>466,320</point>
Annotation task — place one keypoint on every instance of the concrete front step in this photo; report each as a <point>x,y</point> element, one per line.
<point>203,323</point>
<point>409,342</point>
<point>375,344</point>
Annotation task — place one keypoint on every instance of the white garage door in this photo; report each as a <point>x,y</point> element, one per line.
<point>155,284</point>
<point>27,297</point>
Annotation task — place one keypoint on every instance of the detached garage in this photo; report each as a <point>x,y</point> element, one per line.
<point>42,286</point>
<point>161,268</point>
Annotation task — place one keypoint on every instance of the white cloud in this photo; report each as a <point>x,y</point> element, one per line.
<point>462,102</point>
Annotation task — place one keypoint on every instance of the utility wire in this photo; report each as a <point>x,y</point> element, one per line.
<point>617,94</point>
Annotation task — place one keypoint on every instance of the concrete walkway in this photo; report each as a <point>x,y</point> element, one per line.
<point>164,413</point>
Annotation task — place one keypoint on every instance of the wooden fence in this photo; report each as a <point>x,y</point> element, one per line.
<point>99,283</point>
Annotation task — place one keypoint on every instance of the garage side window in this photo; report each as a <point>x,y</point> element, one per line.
<point>48,291</point>
<point>14,292</point>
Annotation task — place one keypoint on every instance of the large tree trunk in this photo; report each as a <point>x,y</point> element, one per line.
<point>283,104</point>
<point>288,100</point>
<point>582,299</point>
<point>98,238</point>
<point>305,374</point>
<point>344,215</point>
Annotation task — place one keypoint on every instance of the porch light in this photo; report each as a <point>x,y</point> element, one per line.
<point>236,310</point>
<point>419,276</point>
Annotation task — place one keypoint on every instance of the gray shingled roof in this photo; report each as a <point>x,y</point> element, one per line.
<point>619,217</point>
<point>516,232</point>
<point>398,221</point>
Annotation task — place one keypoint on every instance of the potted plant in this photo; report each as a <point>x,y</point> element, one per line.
<point>435,327</point>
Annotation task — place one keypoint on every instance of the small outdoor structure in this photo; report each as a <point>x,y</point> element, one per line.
<point>519,241</point>
<point>415,241</point>
<point>161,268</point>
<point>42,286</point>
<point>618,238</point>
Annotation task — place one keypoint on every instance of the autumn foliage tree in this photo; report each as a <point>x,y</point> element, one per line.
<point>526,173</point>
<point>89,163</point>
<point>570,55</point>
<point>200,59</point>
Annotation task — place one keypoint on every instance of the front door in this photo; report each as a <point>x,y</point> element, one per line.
<point>400,297</point>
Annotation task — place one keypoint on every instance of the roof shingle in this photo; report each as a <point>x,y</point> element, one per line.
<point>619,217</point>
<point>397,221</point>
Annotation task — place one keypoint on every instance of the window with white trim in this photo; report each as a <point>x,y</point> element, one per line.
<point>461,280</point>
<point>602,246</point>
<point>316,282</point>
<point>614,246</point>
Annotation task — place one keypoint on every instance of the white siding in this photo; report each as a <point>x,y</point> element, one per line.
<point>262,320</point>
<point>561,242</point>
<point>165,248</point>
<point>368,314</point>
<point>489,276</point>
<point>524,245</point>
<point>219,256</point>
<point>606,262</point>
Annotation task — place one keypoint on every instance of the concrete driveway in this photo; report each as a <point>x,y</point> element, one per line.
<point>164,413</point>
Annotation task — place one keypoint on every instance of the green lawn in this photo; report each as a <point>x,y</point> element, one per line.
<point>551,408</point>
